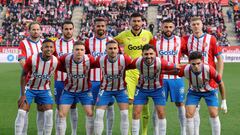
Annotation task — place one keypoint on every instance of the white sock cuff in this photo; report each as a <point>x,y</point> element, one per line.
<point>22,111</point>
<point>124,111</point>
<point>214,119</point>
<point>48,111</point>
<point>100,114</point>
<point>73,109</point>
<point>136,121</point>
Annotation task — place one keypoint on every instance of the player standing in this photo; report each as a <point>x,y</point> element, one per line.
<point>112,85</point>
<point>207,44</point>
<point>63,46</point>
<point>150,85</point>
<point>28,47</point>
<point>39,67</point>
<point>77,86</point>
<point>96,46</point>
<point>169,48</point>
<point>133,41</point>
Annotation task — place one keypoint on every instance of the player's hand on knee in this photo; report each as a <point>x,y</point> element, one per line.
<point>21,101</point>
<point>224,106</point>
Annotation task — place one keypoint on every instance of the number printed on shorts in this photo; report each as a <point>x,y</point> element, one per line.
<point>136,92</point>
<point>101,92</point>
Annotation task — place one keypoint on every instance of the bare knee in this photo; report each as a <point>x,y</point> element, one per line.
<point>178,104</point>
<point>136,114</point>
<point>189,114</point>
<point>213,114</point>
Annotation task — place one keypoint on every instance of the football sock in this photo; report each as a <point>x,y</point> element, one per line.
<point>135,126</point>
<point>19,122</point>
<point>98,122</point>
<point>162,126</point>
<point>190,126</point>
<point>216,126</point>
<point>74,120</point>
<point>110,119</point>
<point>48,122</point>
<point>124,125</point>
<point>40,122</point>
<point>182,119</point>
<point>89,125</point>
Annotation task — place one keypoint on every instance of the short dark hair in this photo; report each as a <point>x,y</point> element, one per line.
<point>33,23</point>
<point>168,20</point>
<point>67,22</point>
<point>111,42</point>
<point>195,18</point>
<point>47,40</point>
<point>195,55</point>
<point>147,47</point>
<point>136,14</point>
<point>99,19</point>
<point>78,43</point>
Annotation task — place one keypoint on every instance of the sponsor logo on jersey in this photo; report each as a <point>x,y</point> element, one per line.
<point>44,76</point>
<point>112,77</point>
<point>131,47</point>
<point>172,52</point>
<point>77,76</point>
<point>96,54</point>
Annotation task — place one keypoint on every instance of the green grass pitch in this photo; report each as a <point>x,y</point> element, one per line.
<point>9,93</point>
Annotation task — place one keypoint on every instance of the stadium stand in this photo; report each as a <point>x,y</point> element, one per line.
<point>51,16</point>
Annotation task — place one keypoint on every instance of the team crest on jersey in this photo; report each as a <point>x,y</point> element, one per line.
<point>205,45</point>
<point>144,39</point>
<point>52,69</point>
<point>176,45</point>
<point>120,67</point>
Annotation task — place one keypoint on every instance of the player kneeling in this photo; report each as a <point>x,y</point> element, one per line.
<point>150,85</point>
<point>38,70</point>
<point>113,66</point>
<point>202,81</point>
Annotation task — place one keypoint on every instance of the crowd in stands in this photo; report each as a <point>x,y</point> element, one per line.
<point>117,15</point>
<point>18,16</point>
<point>236,18</point>
<point>211,14</point>
<point>52,13</point>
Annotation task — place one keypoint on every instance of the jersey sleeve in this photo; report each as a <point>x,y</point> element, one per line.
<point>120,37</point>
<point>28,65</point>
<point>92,61</point>
<point>153,42</point>
<point>133,64</point>
<point>181,71</point>
<point>214,75</point>
<point>55,50</point>
<point>216,49</point>
<point>61,63</point>
<point>167,65</point>
<point>128,60</point>
<point>87,47</point>
<point>97,62</point>
<point>22,51</point>
<point>184,49</point>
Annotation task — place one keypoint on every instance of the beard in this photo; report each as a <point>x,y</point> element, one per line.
<point>136,28</point>
<point>100,32</point>
<point>168,33</point>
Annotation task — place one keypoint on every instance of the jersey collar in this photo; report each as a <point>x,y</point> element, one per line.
<point>30,40</point>
<point>200,36</point>
<point>137,34</point>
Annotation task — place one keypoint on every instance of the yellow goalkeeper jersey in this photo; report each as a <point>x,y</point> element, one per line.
<point>133,43</point>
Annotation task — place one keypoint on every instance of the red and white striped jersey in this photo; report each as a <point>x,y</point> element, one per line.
<point>77,73</point>
<point>27,48</point>
<point>207,44</point>
<point>150,75</point>
<point>62,47</point>
<point>96,47</point>
<point>203,81</point>
<point>40,71</point>
<point>169,49</point>
<point>113,72</point>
